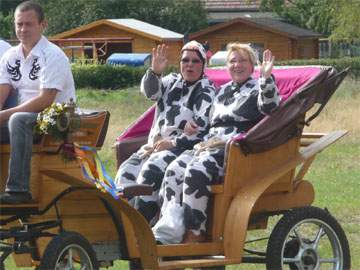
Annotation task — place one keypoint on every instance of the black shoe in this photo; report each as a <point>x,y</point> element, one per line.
<point>15,197</point>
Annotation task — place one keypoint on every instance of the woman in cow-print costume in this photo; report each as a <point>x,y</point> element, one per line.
<point>180,98</point>
<point>238,106</point>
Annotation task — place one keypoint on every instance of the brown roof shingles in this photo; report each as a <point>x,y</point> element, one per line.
<point>268,24</point>
<point>232,4</point>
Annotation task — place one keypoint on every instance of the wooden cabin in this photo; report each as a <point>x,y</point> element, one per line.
<point>286,41</point>
<point>99,39</point>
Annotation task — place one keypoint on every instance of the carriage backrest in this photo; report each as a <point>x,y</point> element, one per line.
<point>92,131</point>
<point>289,119</point>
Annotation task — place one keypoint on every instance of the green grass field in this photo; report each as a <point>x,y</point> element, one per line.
<point>335,173</point>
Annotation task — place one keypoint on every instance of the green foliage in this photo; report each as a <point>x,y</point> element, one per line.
<point>8,6</point>
<point>347,18</point>
<point>179,16</point>
<point>315,15</point>
<point>338,63</point>
<point>109,76</point>
<point>338,18</point>
<point>7,26</point>
<point>119,76</point>
<point>67,14</point>
<point>106,76</point>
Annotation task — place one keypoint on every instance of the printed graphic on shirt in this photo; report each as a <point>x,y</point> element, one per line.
<point>33,75</point>
<point>14,71</point>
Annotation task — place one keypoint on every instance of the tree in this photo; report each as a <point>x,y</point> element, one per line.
<point>174,15</point>
<point>347,20</point>
<point>67,14</point>
<point>340,19</point>
<point>179,16</point>
<point>7,8</point>
<point>314,15</point>
<point>7,26</point>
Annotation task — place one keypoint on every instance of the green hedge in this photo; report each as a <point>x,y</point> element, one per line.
<point>119,76</point>
<point>338,63</point>
<point>106,76</point>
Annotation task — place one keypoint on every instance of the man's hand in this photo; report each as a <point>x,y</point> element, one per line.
<point>164,144</point>
<point>159,59</point>
<point>267,65</point>
<point>5,91</point>
<point>191,128</point>
<point>3,117</point>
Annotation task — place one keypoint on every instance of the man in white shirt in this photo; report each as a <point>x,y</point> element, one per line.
<point>4,46</point>
<point>41,73</point>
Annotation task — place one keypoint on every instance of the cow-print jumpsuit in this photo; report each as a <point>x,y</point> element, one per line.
<point>236,108</point>
<point>177,102</point>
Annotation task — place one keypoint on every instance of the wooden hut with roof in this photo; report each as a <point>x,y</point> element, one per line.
<point>285,40</point>
<point>99,39</point>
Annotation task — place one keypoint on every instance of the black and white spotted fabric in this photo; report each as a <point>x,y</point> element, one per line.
<point>238,107</point>
<point>188,178</point>
<point>177,103</point>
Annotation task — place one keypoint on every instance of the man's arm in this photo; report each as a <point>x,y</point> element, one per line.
<point>36,104</point>
<point>5,90</point>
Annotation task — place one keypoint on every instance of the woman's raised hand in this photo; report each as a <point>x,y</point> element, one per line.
<point>267,65</point>
<point>159,59</point>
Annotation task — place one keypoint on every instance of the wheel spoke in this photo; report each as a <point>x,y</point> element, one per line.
<point>70,259</point>
<point>319,234</point>
<point>333,260</point>
<point>291,260</point>
<point>298,236</point>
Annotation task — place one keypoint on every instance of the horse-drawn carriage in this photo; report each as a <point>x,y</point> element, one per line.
<point>74,225</point>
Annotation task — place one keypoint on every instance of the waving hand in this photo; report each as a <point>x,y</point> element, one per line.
<point>267,65</point>
<point>159,59</point>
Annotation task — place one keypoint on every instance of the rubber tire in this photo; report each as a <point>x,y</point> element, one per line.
<point>59,243</point>
<point>288,221</point>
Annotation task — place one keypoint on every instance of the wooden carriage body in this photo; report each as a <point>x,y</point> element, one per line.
<point>255,187</point>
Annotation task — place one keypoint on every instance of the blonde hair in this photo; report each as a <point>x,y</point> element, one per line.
<point>242,47</point>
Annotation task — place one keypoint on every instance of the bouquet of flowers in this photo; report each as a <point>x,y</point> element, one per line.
<point>53,121</point>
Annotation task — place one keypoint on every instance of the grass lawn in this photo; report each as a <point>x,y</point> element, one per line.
<point>335,173</point>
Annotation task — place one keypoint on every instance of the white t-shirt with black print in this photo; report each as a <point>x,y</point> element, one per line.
<point>46,67</point>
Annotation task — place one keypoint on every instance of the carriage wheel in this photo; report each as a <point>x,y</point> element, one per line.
<point>307,238</point>
<point>69,250</point>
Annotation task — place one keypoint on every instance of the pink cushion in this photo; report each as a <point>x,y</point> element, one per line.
<point>288,80</point>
